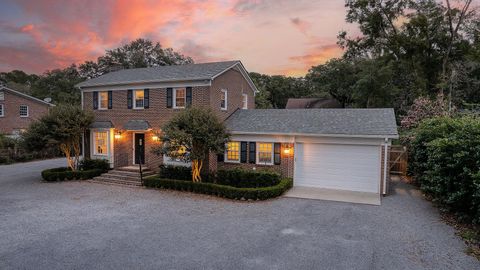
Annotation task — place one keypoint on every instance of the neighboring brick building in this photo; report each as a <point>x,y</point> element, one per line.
<point>18,110</point>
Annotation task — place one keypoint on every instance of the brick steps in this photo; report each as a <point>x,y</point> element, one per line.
<point>127,176</point>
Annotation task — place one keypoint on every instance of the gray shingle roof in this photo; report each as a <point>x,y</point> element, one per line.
<point>101,124</point>
<point>349,122</point>
<point>204,71</point>
<point>136,125</point>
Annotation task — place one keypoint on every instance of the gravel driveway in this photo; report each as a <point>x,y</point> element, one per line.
<point>81,225</point>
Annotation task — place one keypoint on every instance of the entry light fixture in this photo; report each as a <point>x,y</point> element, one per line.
<point>118,135</point>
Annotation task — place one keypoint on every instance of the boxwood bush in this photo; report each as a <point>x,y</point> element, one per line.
<point>64,173</point>
<point>247,179</point>
<point>445,160</point>
<point>224,191</point>
<point>90,164</point>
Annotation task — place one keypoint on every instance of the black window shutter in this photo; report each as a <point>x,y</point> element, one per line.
<point>169,97</point>
<point>110,99</point>
<point>252,155</point>
<point>220,157</point>
<point>276,151</point>
<point>95,100</point>
<point>146,98</point>
<point>189,96</point>
<point>243,152</point>
<point>129,99</point>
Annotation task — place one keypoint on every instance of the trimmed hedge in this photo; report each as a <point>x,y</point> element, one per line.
<point>90,164</point>
<point>224,191</point>
<point>240,178</point>
<point>247,179</point>
<point>64,173</point>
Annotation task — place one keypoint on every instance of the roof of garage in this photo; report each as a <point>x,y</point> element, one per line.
<point>339,122</point>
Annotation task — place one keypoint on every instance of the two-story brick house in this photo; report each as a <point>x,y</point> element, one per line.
<point>322,149</point>
<point>131,105</point>
<point>19,110</point>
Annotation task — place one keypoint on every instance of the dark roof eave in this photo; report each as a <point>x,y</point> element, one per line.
<point>381,136</point>
<point>80,86</point>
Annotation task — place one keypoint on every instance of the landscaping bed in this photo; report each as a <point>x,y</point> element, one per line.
<point>88,169</point>
<point>221,190</point>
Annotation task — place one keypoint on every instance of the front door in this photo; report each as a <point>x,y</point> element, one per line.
<point>139,149</point>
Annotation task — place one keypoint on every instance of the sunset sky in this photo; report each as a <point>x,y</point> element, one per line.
<point>268,36</point>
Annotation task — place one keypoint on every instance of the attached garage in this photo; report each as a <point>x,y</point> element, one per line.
<point>337,166</point>
<point>340,152</point>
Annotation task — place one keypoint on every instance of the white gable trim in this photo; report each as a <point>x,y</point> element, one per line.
<point>26,96</point>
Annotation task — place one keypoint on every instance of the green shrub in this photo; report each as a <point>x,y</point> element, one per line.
<point>175,172</point>
<point>90,164</point>
<point>64,173</point>
<point>247,179</point>
<point>228,192</point>
<point>445,159</point>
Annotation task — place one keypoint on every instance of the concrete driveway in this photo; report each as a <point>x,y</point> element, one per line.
<point>81,225</point>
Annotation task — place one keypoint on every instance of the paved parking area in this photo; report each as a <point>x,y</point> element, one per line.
<point>81,225</point>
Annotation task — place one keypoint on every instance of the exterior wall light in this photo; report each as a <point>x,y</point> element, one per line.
<point>118,135</point>
<point>155,138</point>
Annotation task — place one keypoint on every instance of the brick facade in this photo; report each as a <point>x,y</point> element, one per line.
<point>158,114</point>
<point>11,121</point>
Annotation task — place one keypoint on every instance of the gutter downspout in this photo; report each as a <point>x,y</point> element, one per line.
<point>385,164</point>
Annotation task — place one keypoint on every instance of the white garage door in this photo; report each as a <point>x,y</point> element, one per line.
<point>335,166</point>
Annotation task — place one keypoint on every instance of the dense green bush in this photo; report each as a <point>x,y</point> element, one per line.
<point>90,164</point>
<point>229,192</point>
<point>175,172</point>
<point>445,159</point>
<point>64,173</point>
<point>247,179</point>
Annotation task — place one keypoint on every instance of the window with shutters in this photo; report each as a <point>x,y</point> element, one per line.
<point>2,110</point>
<point>223,100</point>
<point>179,97</point>
<point>100,142</point>
<point>244,101</point>
<point>265,153</point>
<point>139,99</point>
<point>23,111</point>
<point>232,152</point>
<point>103,100</point>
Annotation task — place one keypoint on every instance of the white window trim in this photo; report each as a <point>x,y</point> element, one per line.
<point>174,97</point>
<point>225,156</point>
<point>2,95</point>
<point>135,99</point>
<point>257,154</point>
<point>95,143</point>
<point>19,110</point>
<point>100,100</point>
<point>245,101</point>
<point>226,100</point>
<point>3,110</point>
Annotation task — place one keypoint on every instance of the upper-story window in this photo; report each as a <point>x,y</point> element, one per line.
<point>179,97</point>
<point>2,95</point>
<point>244,101</point>
<point>23,111</point>
<point>103,100</point>
<point>139,97</point>
<point>223,99</point>
<point>2,110</point>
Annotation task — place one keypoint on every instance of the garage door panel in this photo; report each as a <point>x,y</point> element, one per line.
<point>345,167</point>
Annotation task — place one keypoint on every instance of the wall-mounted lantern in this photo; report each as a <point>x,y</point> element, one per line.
<point>118,135</point>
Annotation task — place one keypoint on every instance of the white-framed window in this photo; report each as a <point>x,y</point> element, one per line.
<point>244,101</point>
<point>224,99</point>
<point>232,152</point>
<point>100,143</point>
<point>265,153</point>
<point>2,110</point>
<point>179,97</point>
<point>139,99</point>
<point>103,100</point>
<point>2,95</point>
<point>23,111</point>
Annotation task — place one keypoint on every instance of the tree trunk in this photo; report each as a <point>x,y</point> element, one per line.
<point>196,169</point>
<point>66,149</point>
